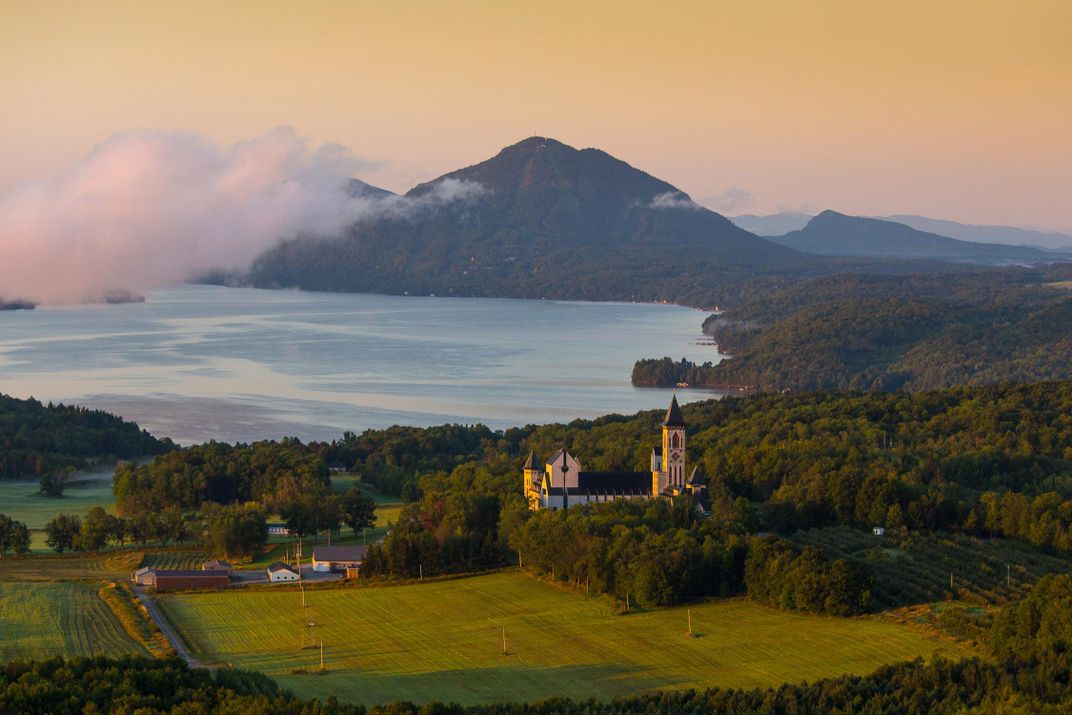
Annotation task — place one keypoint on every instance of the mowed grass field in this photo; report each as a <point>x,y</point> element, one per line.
<point>443,641</point>
<point>41,620</point>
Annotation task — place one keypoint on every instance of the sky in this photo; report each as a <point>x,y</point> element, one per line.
<point>958,109</point>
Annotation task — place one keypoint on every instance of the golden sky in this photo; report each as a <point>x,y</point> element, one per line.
<point>957,109</point>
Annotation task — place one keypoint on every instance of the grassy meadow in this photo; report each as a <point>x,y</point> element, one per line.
<point>443,641</point>
<point>22,500</point>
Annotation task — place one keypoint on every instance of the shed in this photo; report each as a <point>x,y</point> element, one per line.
<point>279,572</point>
<point>143,576</point>
<point>878,531</point>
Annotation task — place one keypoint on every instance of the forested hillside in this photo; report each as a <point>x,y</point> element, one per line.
<point>890,332</point>
<point>37,439</point>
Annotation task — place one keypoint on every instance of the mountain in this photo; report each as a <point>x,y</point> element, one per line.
<point>834,234</point>
<point>777,224</point>
<point>539,219</point>
<point>982,234</point>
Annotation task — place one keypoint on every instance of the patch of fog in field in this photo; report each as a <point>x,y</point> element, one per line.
<point>201,362</point>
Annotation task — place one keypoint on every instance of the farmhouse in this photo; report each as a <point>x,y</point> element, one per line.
<point>178,580</point>
<point>217,565</point>
<point>563,482</point>
<point>143,576</point>
<point>338,558</point>
<point>279,572</point>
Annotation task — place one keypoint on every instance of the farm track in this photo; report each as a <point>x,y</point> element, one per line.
<point>165,627</point>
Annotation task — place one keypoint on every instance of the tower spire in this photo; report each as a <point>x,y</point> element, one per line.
<point>673,415</point>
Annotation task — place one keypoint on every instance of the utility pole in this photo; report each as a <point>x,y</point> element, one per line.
<point>321,654</point>
<point>421,566</point>
<point>689,611</point>
<point>504,640</point>
<point>950,580</point>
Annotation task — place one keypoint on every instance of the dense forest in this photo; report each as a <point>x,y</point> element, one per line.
<point>1031,673</point>
<point>981,462</point>
<point>267,472</point>
<point>888,332</point>
<point>38,440</point>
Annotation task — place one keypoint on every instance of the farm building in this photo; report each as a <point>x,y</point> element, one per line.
<point>278,530</point>
<point>143,576</point>
<point>279,572</point>
<point>217,565</point>
<point>177,580</point>
<point>338,558</point>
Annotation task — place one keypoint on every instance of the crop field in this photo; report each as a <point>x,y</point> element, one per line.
<point>45,619</point>
<point>916,568</point>
<point>77,567</point>
<point>22,502</point>
<point>443,640</point>
<point>174,559</point>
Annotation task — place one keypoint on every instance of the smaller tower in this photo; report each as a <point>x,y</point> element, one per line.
<point>533,477</point>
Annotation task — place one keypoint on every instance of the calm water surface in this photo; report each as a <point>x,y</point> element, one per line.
<point>202,362</point>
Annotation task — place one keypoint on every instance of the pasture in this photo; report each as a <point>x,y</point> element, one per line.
<point>442,640</point>
<point>41,620</point>
<point>22,501</point>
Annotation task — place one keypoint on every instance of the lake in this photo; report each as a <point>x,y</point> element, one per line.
<point>203,362</point>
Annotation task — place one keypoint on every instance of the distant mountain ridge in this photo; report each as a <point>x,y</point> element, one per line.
<point>779,224</point>
<point>539,219</point>
<point>834,234</point>
<point>986,234</point>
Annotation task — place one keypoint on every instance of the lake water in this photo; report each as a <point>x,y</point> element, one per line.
<point>203,362</point>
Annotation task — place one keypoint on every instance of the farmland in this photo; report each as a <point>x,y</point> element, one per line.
<point>44,619</point>
<point>916,567</point>
<point>443,641</point>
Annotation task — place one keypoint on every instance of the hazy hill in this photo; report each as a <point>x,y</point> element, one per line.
<point>777,224</point>
<point>834,234</point>
<point>985,234</point>
<point>540,219</point>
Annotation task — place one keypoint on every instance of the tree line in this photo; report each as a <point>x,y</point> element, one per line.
<point>38,439</point>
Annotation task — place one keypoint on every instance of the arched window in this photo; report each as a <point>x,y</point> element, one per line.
<point>675,440</point>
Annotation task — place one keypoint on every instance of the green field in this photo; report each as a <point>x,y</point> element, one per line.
<point>22,501</point>
<point>443,641</point>
<point>45,619</point>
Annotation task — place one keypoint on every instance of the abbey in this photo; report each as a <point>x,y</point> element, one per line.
<point>562,482</point>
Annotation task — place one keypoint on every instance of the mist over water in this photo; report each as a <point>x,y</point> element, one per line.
<point>147,209</point>
<point>200,362</point>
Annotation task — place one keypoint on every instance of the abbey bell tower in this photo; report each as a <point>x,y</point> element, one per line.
<point>671,468</point>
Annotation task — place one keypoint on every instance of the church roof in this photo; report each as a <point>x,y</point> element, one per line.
<point>673,415</point>
<point>531,463</point>
<point>627,482</point>
<point>696,478</point>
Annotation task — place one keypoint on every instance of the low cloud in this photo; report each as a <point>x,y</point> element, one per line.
<point>730,200</point>
<point>151,208</point>
<point>674,200</point>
